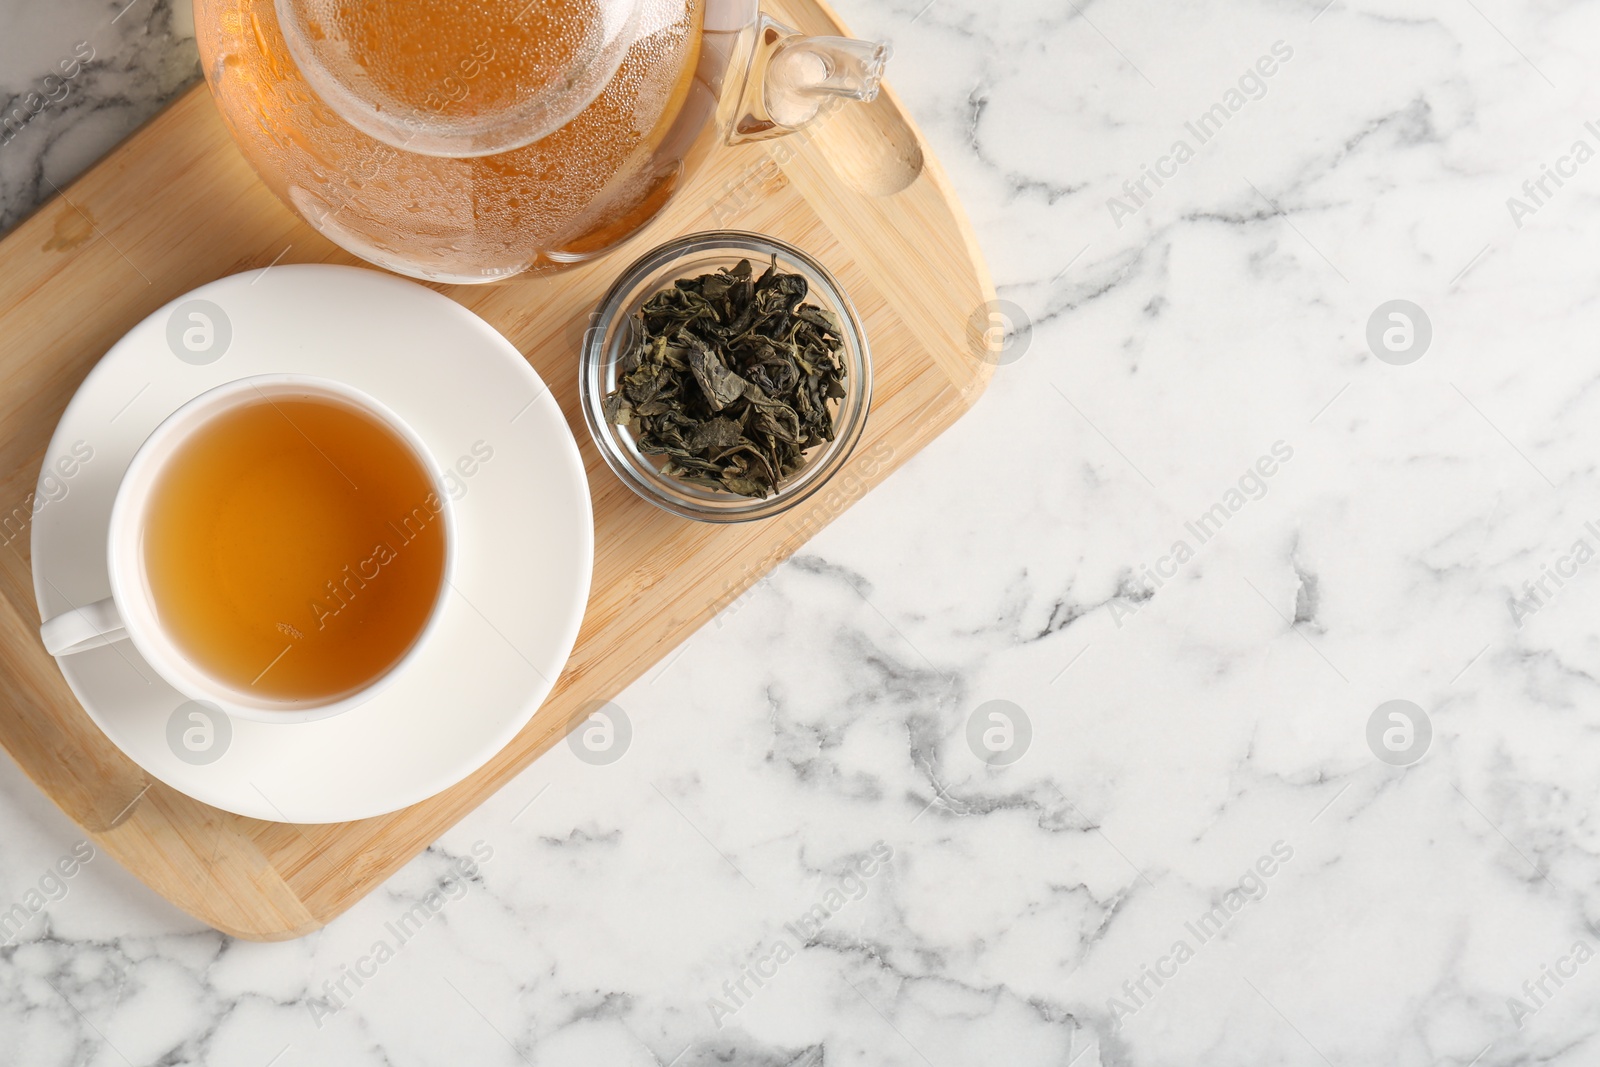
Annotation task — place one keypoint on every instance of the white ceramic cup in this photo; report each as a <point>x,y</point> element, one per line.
<point>129,613</point>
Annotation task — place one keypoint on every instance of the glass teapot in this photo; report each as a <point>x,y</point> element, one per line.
<point>473,140</point>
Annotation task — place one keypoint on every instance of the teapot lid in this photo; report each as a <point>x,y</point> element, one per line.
<point>458,77</point>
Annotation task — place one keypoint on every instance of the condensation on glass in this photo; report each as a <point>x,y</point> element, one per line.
<point>474,141</point>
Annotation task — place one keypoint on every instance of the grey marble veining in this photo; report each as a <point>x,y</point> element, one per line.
<point>1198,533</point>
<point>76,76</point>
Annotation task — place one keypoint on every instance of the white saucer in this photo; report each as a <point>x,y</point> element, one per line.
<point>525,533</point>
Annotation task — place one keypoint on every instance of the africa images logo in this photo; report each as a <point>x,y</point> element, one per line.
<point>1252,85</point>
<point>1208,926</point>
<point>763,967</point>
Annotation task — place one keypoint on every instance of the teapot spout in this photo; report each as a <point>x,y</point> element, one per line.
<point>791,79</point>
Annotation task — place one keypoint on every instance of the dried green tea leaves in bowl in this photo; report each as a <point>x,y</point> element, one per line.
<point>730,377</point>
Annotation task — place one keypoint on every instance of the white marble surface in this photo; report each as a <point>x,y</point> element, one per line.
<point>1183,734</point>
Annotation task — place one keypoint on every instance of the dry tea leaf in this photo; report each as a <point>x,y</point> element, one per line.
<point>730,377</point>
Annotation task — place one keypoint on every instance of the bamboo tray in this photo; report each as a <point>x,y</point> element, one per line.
<point>176,205</point>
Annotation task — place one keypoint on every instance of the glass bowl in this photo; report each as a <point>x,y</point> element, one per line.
<point>613,329</point>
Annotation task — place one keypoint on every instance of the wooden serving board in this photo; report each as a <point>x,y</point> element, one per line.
<point>176,206</point>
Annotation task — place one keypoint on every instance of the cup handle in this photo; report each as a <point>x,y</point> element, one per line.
<point>83,628</point>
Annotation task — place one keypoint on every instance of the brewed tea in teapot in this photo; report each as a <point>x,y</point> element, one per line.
<point>474,141</point>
